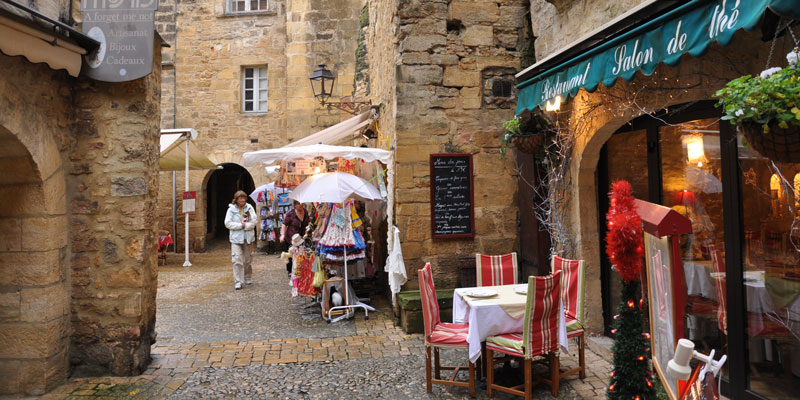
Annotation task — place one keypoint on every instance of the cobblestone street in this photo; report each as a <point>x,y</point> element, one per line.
<point>259,342</point>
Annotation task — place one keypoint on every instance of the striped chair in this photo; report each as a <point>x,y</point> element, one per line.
<point>573,277</point>
<point>441,334</point>
<point>539,337</point>
<point>496,270</point>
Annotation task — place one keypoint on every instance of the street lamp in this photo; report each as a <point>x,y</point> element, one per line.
<point>322,81</point>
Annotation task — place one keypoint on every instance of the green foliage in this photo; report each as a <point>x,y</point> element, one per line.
<point>772,99</point>
<point>631,376</point>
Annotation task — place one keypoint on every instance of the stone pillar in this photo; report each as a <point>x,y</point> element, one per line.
<point>114,183</point>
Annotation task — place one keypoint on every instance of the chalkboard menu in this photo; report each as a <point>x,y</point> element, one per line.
<point>452,213</point>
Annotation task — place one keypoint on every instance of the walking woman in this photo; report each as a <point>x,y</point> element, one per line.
<point>241,222</point>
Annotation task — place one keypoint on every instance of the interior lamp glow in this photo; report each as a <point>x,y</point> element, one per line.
<point>555,105</point>
<point>694,149</point>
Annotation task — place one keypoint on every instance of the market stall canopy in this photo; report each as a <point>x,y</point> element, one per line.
<point>345,130</point>
<point>317,150</point>
<point>334,187</point>
<point>173,151</point>
<point>634,43</point>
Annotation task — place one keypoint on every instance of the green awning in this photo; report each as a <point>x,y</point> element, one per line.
<point>689,28</point>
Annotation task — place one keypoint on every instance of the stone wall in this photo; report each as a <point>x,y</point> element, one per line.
<point>202,78</point>
<point>113,183</point>
<point>34,271</point>
<point>594,117</point>
<point>557,23</point>
<point>77,191</point>
<point>441,52</point>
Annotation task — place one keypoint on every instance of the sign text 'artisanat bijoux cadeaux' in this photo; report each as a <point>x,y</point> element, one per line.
<point>125,30</point>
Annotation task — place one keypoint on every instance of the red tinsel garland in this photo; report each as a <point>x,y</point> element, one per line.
<point>624,238</point>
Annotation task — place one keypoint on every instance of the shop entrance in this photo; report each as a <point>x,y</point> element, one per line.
<point>221,186</point>
<point>741,261</point>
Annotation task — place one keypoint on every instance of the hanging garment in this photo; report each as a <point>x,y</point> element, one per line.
<point>305,264</point>
<point>396,267</point>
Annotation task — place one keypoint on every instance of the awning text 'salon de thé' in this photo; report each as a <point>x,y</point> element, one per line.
<point>690,28</point>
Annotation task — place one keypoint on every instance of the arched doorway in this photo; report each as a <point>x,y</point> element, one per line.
<point>34,306</point>
<point>221,186</point>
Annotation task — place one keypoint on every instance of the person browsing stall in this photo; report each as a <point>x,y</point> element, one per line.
<point>241,222</point>
<point>294,222</point>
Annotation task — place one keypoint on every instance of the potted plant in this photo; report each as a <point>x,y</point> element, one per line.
<point>526,132</point>
<point>766,109</point>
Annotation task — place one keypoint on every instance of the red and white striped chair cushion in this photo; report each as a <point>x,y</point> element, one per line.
<point>496,270</point>
<point>450,335</point>
<point>572,289</point>
<point>507,343</point>
<point>574,327</point>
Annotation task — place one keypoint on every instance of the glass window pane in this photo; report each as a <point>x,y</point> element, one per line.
<point>262,106</point>
<point>248,72</point>
<point>262,5</point>
<point>621,165</point>
<point>248,83</point>
<point>771,272</point>
<point>248,106</point>
<point>248,95</point>
<point>253,5</point>
<point>692,185</point>
<point>262,73</point>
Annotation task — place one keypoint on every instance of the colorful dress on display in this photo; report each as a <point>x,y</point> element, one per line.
<point>340,234</point>
<point>305,265</point>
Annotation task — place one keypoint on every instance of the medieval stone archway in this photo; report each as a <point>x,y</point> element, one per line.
<point>218,190</point>
<point>34,296</point>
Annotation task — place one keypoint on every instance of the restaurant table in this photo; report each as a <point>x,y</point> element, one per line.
<point>496,315</point>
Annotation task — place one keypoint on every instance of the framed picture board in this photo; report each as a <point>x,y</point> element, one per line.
<point>452,206</point>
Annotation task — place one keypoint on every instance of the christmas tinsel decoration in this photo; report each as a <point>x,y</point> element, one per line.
<point>631,378</point>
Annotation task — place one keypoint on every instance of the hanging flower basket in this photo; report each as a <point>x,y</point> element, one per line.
<point>779,144</point>
<point>528,143</point>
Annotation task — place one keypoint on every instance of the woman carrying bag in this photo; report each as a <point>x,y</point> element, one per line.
<point>241,222</point>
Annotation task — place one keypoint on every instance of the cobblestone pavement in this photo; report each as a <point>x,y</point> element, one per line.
<point>255,343</point>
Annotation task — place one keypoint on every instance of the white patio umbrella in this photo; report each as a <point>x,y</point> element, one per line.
<point>337,187</point>
<point>703,181</point>
<point>334,187</point>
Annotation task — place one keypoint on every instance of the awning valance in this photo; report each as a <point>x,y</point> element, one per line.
<point>689,28</point>
<point>325,151</point>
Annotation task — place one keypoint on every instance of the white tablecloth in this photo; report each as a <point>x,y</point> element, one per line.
<point>486,319</point>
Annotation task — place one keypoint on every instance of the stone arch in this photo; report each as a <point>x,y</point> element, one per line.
<point>218,188</point>
<point>34,298</point>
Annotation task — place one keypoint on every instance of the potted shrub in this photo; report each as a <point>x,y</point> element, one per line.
<point>766,109</point>
<point>526,132</point>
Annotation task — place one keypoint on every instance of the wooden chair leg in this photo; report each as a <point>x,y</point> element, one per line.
<point>471,379</point>
<point>437,370</point>
<point>528,379</point>
<point>554,372</point>
<point>489,372</point>
<point>581,359</point>
<point>428,369</point>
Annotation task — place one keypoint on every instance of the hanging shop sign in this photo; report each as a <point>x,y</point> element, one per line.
<point>189,202</point>
<point>125,30</point>
<point>690,28</point>
<point>452,211</point>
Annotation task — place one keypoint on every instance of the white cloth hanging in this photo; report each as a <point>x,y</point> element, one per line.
<point>396,267</point>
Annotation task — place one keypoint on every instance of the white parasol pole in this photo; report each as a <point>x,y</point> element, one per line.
<point>186,189</point>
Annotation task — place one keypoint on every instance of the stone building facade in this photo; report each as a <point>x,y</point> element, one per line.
<point>78,181</point>
<point>433,65</point>
<point>212,46</point>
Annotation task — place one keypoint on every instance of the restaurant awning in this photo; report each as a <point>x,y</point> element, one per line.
<point>345,130</point>
<point>173,151</point>
<point>688,28</point>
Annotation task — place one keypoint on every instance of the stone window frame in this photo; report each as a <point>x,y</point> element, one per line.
<point>259,77</point>
<point>232,6</point>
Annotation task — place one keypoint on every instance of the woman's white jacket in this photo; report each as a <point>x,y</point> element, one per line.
<point>233,221</point>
